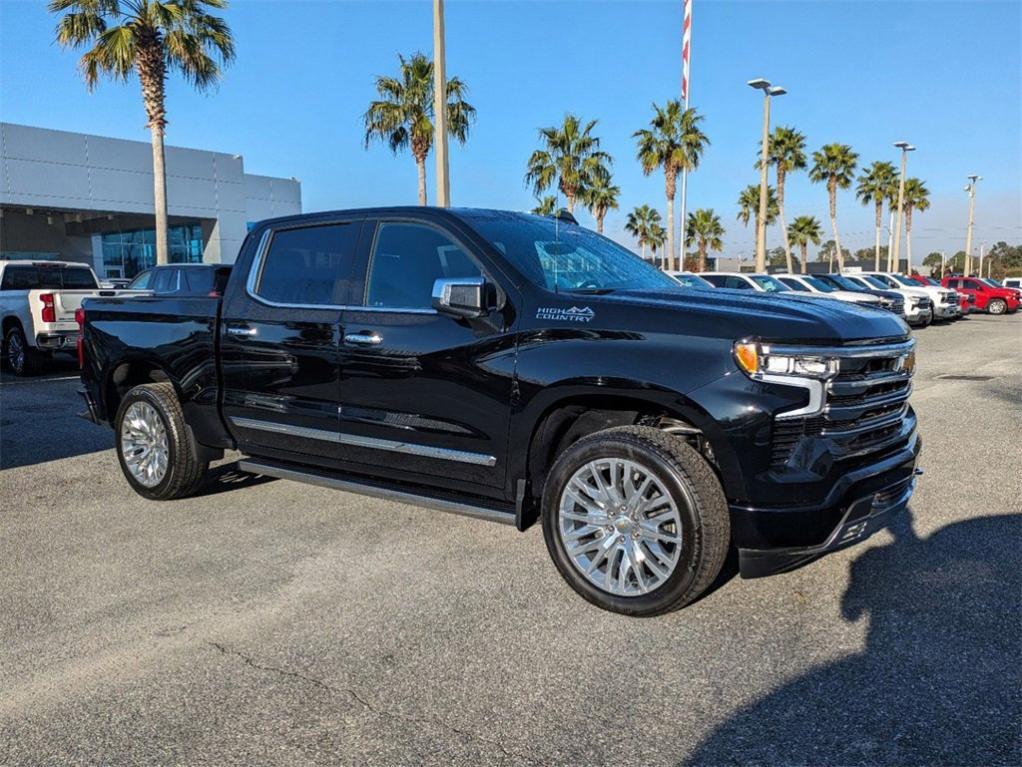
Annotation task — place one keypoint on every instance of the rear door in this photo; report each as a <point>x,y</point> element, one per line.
<point>424,395</point>
<point>280,341</point>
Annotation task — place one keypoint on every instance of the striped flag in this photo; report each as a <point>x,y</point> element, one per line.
<point>686,43</point>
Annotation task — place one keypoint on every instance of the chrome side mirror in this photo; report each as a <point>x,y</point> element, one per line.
<point>467,297</point>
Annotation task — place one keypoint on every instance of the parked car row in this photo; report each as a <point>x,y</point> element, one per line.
<point>917,299</point>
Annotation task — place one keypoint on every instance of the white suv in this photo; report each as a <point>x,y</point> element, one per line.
<point>918,305</point>
<point>945,302</point>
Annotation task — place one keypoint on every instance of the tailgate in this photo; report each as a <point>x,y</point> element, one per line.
<point>66,301</point>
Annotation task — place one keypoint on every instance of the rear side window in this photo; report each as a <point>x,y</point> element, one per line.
<point>309,265</point>
<point>737,283</point>
<point>794,284</point>
<point>407,259</point>
<point>197,281</point>
<point>715,279</point>
<point>19,278</point>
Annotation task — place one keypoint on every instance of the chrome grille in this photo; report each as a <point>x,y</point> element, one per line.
<point>863,406</point>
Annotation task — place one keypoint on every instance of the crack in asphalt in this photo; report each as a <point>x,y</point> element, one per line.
<point>354,695</point>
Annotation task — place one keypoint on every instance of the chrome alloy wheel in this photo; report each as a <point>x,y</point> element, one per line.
<point>144,444</point>
<point>16,352</point>
<point>620,527</point>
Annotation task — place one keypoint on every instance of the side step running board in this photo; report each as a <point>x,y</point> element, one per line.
<point>325,478</point>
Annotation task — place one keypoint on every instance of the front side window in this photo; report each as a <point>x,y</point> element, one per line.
<point>563,257</point>
<point>974,285</point>
<point>877,283</point>
<point>407,259</point>
<point>821,285</point>
<point>794,284</point>
<point>142,281</point>
<point>165,281</point>
<point>738,283</point>
<point>310,265</point>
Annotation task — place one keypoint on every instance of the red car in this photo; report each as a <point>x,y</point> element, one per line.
<point>988,298</point>
<point>966,302</point>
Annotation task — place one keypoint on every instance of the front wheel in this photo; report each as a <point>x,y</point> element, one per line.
<point>997,306</point>
<point>635,520</point>
<point>158,453</point>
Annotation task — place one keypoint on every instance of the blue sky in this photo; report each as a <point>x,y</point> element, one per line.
<point>943,75</point>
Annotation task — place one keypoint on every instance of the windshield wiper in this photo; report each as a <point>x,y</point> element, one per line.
<point>591,291</point>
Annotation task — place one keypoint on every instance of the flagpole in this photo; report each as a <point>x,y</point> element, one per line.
<point>686,49</point>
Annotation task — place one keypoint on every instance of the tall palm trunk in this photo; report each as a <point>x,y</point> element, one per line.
<point>702,256</point>
<point>670,183</point>
<point>642,243</point>
<point>420,164</point>
<point>804,247</point>
<point>152,76</point>
<point>780,215</point>
<point>876,246</point>
<point>599,222</point>
<point>833,225</point>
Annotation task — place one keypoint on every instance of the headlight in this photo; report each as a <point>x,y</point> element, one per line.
<point>757,361</point>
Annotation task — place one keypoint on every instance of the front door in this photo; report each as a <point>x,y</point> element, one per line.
<point>281,340</point>
<point>422,394</point>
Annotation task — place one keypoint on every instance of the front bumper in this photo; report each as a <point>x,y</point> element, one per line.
<point>914,315</point>
<point>61,341</point>
<point>774,540</point>
<point>946,311</point>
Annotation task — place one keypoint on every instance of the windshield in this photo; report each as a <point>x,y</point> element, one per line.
<point>692,281</point>
<point>769,284</point>
<point>875,282</point>
<point>842,282</point>
<point>822,285</point>
<point>993,283</point>
<point>905,281</point>
<point>564,257</point>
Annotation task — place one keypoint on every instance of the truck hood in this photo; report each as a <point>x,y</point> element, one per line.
<point>742,313</point>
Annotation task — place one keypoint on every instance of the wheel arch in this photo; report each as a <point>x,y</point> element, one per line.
<point>567,418</point>
<point>126,374</point>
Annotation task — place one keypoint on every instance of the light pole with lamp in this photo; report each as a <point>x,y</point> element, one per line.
<point>768,91</point>
<point>971,189</point>
<point>893,258</point>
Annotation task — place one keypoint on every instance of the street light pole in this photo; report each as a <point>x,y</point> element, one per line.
<point>443,183</point>
<point>971,189</point>
<point>893,259</point>
<point>768,91</point>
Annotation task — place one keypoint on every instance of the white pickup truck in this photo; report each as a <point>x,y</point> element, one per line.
<point>38,300</point>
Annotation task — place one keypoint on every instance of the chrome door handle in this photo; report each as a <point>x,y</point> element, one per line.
<point>363,339</point>
<point>244,331</point>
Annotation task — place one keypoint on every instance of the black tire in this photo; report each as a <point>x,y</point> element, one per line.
<point>705,521</point>
<point>997,306</point>
<point>25,363</point>
<point>186,463</point>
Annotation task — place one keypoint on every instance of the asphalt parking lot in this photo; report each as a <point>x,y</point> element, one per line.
<point>267,622</point>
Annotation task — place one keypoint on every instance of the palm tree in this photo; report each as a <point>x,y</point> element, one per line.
<point>151,38</point>
<point>804,230</point>
<point>657,235</point>
<point>600,196</point>
<point>403,115</point>
<point>546,206</point>
<point>641,223</point>
<point>704,227</point>
<point>787,153</point>
<point>876,185</point>
<point>570,157</point>
<point>917,197</point>
<point>834,164</point>
<point>748,205</point>
<point>675,143</point>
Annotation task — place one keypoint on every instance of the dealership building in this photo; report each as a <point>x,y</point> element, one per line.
<point>78,197</point>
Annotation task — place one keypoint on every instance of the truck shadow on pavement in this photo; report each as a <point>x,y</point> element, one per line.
<point>228,477</point>
<point>939,681</point>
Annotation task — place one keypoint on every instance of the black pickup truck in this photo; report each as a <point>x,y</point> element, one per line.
<point>510,367</point>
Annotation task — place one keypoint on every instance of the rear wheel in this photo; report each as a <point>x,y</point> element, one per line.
<point>635,520</point>
<point>21,358</point>
<point>997,306</point>
<point>158,453</point>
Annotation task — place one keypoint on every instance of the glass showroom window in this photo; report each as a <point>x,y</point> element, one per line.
<point>127,253</point>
